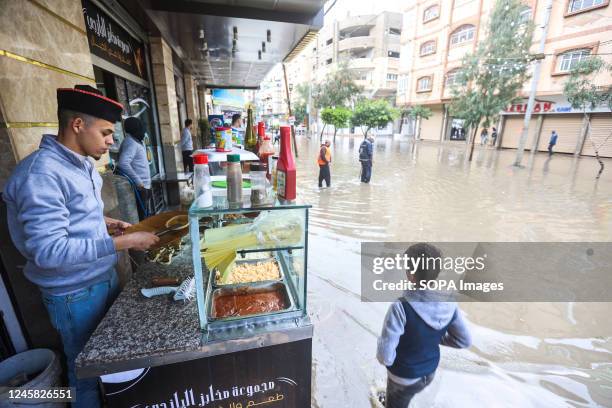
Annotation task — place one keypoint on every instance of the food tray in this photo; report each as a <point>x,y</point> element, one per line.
<point>251,261</point>
<point>248,289</point>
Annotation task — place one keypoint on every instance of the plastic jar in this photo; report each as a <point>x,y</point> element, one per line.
<point>201,181</point>
<point>234,181</point>
<point>259,184</point>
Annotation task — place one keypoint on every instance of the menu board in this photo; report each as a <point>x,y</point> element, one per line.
<point>272,377</point>
<point>112,43</point>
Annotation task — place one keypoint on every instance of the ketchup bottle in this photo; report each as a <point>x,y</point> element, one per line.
<point>285,168</point>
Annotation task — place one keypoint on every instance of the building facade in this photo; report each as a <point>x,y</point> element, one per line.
<point>370,46</point>
<point>438,33</point>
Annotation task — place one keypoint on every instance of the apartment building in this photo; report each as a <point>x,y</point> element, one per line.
<point>369,44</point>
<point>437,33</point>
<point>270,99</point>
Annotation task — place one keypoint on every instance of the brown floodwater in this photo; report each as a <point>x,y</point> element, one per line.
<point>523,354</point>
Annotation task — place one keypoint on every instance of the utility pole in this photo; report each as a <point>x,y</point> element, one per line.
<point>289,108</point>
<point>534,83</point>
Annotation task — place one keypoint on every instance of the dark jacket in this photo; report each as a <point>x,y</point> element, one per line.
<point>366,150</point>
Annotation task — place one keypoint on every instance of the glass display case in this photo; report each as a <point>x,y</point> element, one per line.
<point>250,266</point>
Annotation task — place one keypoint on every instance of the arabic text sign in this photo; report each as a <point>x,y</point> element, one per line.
<point>112,43</point>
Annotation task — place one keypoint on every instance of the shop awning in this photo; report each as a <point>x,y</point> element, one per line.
<point>235,43</point>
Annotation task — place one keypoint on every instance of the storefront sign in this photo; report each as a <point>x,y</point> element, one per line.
<point>538,107</point>
<point>553,104</point>
<point>112,43</point>
<point>277,376</point>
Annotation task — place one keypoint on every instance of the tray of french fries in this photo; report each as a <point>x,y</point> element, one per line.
<point>246,271</point>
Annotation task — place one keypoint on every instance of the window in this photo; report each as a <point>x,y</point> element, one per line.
<point>424,84</point>
<point>463,34</point>
<point>393,54</point>
<point>331,40</point>
<point>395,31</point>
<point>578,5</point>
<point>392,77</point>
<point>329,61</point>
<point>427,48</point>
<point>430,13</point>
<point>402,84</point>
<point>568,60</point>
<point>451,78</point>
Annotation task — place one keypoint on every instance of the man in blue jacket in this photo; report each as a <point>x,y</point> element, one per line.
<point>55,216</point>
<point>413,330</point>
<point>366,156</point>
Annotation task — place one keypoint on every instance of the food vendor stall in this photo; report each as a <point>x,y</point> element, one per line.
<point>244,340</point>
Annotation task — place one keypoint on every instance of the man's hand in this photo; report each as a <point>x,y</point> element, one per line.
<point>112,223</point>
<point>140,241</point>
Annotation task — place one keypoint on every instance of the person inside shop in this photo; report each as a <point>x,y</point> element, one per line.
<point>552,142</point>
<point>324,160</point>
<point>366,156</point>
<point>413,330</point>
<point>134,164</point>
<point>55,219</point>
<point>237,121</point>
<point>187,146</point>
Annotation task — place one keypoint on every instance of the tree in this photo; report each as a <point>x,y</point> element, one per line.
<point>337,117</point>
<point>337,89</point>
<point>583,93</point>
<point>300,101</point>
<point>373,114</point>
<point>491,78</point>
<point>418,112</point>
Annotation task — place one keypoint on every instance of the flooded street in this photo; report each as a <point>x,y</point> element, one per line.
<point>523,354</point>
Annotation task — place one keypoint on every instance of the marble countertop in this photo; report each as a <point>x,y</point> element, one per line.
<point>138,332</point>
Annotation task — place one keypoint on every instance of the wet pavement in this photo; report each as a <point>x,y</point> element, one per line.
<point>524,354</point>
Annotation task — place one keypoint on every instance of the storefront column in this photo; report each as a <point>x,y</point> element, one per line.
<point>537,134</point>
<point>165,91</point>
<point>191,98</point>
<point>444,123</point>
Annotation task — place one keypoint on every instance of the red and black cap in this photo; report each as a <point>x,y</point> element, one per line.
<point>88,100</point>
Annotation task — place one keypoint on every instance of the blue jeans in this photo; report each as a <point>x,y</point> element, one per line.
<point>75,316</point>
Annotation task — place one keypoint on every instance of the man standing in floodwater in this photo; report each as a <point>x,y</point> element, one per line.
<point>366,154</point>
<point>552,142</point>
<point>324,160</point>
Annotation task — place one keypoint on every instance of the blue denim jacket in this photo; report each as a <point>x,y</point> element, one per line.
<point>55,216</point>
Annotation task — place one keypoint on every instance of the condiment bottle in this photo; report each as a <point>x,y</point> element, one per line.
<point>285,168</point>
<point>261,132</point>
<point>265,151</point>
<point>201,181</point>
<point>234,181</point>
<point>250,139</point>
<point>272,165</point>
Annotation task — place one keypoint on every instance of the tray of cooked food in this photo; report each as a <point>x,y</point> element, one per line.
<point>250,300</point>
<point>248,271</point>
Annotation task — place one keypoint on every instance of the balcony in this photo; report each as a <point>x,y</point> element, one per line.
<point>356,42</point>
<point>366,21</point>
<point>362,63</point>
